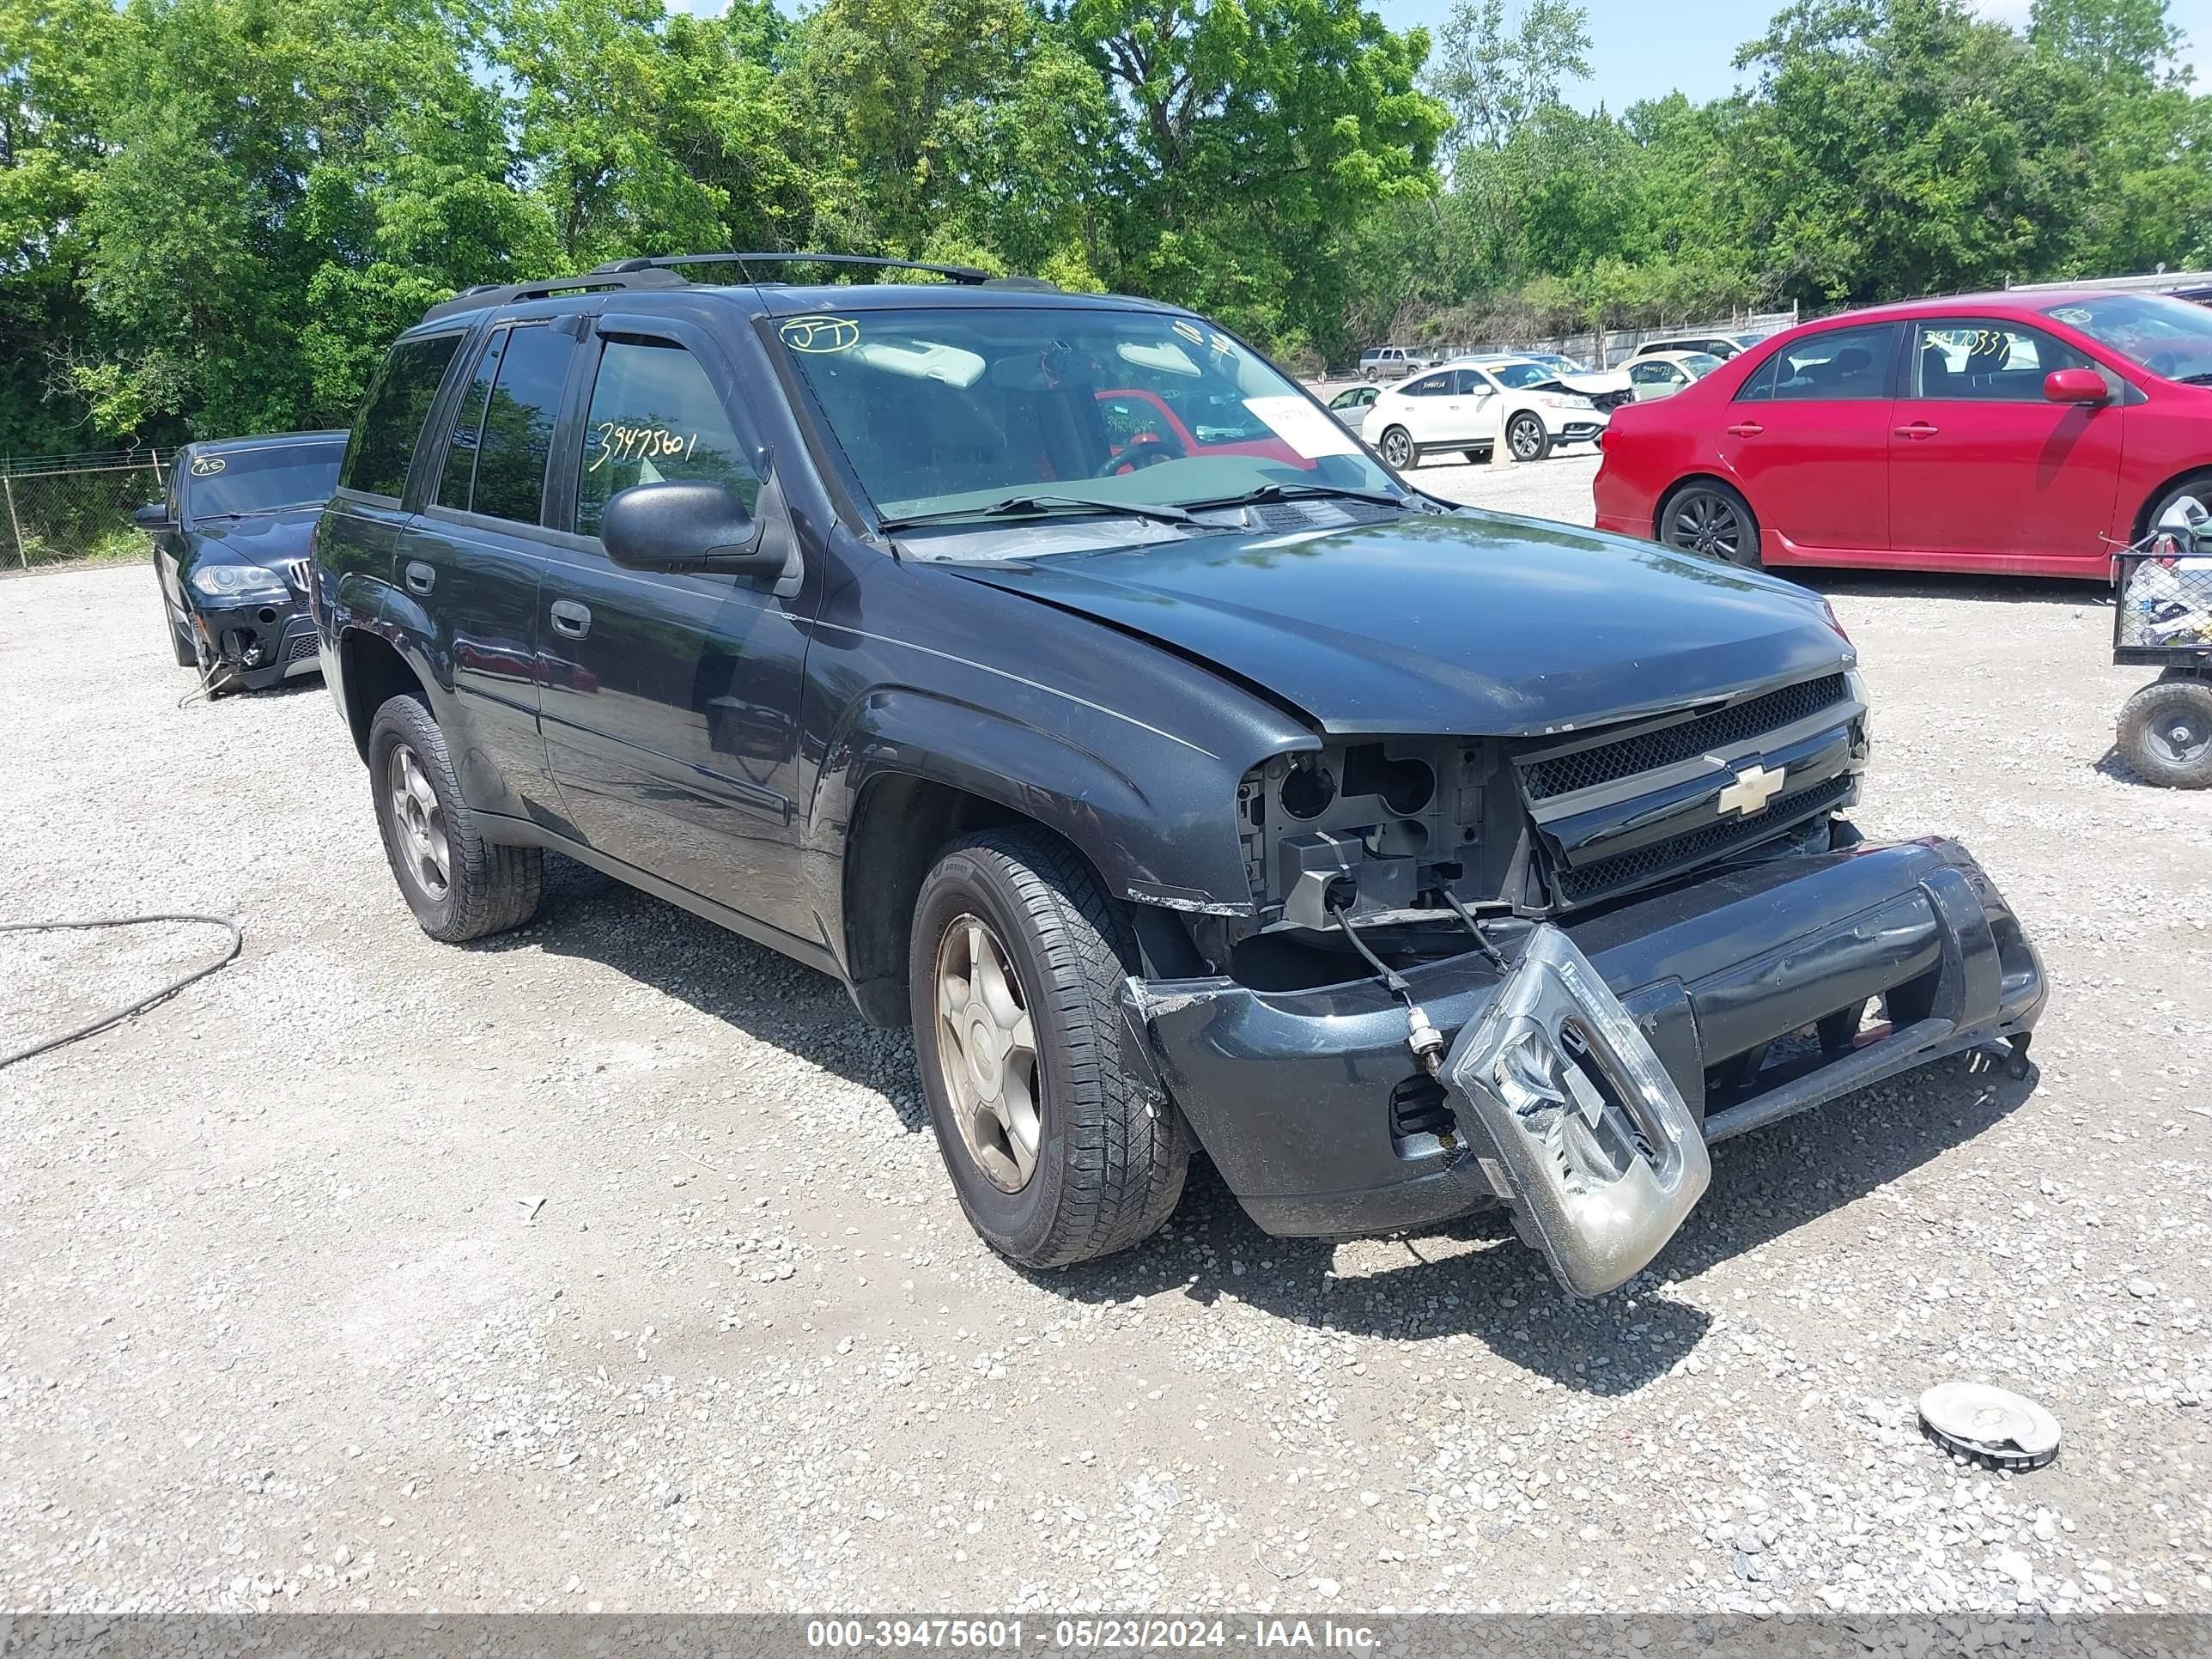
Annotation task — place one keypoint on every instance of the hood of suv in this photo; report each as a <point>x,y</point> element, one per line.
<point>1476,625</point>
<point>274,539</point>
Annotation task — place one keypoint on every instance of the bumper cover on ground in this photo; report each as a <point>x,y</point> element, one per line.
<point>1312,1105</point>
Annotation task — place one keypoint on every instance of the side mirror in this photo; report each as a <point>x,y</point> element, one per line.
<point>154,518</point>
<point>685,525</point>
<point>2075,386</point>
<point>2183,519</point>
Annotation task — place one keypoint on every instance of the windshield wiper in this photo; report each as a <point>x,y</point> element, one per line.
<point>1041,505</point>
<point>2203,379</point>
<point>1298,492</point>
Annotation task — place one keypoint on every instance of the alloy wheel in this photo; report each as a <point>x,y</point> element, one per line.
<point>987,1050</point>
<point>421,822</point>
<point>1397,448</point>
<point>1527,438</point>
<point>1702,522</point>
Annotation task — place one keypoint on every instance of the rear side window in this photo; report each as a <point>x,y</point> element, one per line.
<point>1843,365</point>
<point>1434,386</point>
<point>517,439</point>
<point>383,441</point>
<point>655,415</point>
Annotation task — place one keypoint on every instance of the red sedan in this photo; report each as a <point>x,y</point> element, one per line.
<point>2019,434</point>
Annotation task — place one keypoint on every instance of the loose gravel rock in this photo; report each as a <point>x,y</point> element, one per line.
<point>609,1265</point>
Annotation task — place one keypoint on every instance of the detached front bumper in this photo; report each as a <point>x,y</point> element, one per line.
<point>1313,1107</point>
<point>253,646</point>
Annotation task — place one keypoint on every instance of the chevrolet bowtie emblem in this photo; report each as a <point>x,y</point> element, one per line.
<point>1753,788</point>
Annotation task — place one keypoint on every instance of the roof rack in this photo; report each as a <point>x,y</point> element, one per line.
<point>665,270</point>
<point>499,293</point>
<point>968,276</point>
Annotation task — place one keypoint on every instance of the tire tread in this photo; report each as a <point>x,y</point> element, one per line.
<point>1126,1160</point>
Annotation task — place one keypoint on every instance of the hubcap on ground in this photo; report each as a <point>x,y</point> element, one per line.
<point>986,1049</point>
<point>421,823</point>
<point>1706,524</point>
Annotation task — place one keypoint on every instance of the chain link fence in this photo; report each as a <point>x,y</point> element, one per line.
<point>76,506</point>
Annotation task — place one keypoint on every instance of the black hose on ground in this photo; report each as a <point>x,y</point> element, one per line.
<point>46,1044</point>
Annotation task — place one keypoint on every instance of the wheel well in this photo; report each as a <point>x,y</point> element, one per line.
<point>2143,513</point>
<point>898,826</point>
<point>372,671</point>
<point>1666,497</point>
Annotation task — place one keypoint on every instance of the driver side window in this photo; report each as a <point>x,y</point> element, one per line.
<point>654,415</point>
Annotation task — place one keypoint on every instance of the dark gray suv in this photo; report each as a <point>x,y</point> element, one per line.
<point>1060,676</point>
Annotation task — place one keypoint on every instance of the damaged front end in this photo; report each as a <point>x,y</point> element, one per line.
<point>1591,1057</point>
<point>251,625</point>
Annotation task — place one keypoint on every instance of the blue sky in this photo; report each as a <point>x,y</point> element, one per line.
<point>1647,48</point>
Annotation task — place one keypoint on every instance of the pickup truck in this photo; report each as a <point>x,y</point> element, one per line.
<point>1216,793</point>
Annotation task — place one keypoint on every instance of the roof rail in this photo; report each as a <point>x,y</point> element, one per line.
<point>499,293</point>
<point>665,270</point>
<point>966,275</point>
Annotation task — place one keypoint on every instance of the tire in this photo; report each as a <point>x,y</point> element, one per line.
<point>2165,733</point>
<point>1527,438</point>
<point>2198,485</point>
<point>181,643</point>
<point>486,888</point>
<point>1705,516</point>
<point>1105,1169</point>
<point>1397,449</point>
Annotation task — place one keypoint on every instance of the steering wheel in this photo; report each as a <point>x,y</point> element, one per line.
<point>2163,363</point>
<point>1143,449</point>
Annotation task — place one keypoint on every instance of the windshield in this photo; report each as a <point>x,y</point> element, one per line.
<point>2165,336</point>
<point>943,410</point>
<point>1519,377</point>
<point>257,480</point>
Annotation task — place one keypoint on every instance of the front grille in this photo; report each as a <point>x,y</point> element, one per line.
<point>1626,869</point>
<point>296,572</point>
<point>1609,762</point>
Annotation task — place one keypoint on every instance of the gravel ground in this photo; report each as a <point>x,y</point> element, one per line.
<point>610,1265</point>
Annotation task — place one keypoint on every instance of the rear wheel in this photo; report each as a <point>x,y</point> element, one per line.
<point>1527,438</point>
<point>2198,485</point>
<point>1397,447</point>
<point>2165,733</point>
<point>459,885</point>
<point>1708,517</point>
<point>1016,969</point>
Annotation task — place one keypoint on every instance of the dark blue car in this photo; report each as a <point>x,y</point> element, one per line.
<point>231,549</point>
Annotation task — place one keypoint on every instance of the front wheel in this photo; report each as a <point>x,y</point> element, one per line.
<point>1527,438</point>
<point>1397,447</point>
<point>2198,485</point>
<point>1016,969</point>
<point>2165,733</point>
<point>181,644</point>
<point>1710,518</point>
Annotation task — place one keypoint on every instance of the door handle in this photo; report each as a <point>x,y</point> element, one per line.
<point>571,619</point>
<point>421,578</point>
<point>1741,429</point>
<point>1917,429</point>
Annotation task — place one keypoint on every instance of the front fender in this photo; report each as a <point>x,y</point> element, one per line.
<point>1170,838</point>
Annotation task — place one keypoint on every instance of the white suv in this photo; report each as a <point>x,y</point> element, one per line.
<point>1458,407</point>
